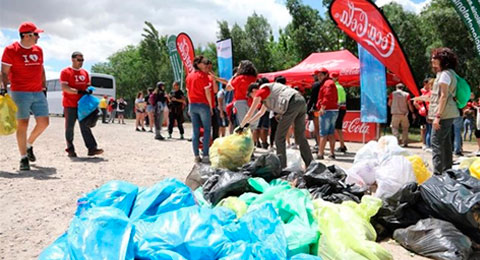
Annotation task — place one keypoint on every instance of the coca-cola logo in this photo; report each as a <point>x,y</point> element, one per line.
<point>355,126</point>
<point>184,49</point>
<point>357,21</point>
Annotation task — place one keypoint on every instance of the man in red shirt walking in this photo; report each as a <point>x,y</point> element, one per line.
<point>22,67</point>
<point>327,103</point>
<point>75,81</point>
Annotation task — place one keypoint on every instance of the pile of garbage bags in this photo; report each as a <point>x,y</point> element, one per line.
<point>260,211</point>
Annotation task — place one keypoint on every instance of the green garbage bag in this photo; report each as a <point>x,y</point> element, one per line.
<point>234,203</point>
<point>346,232</point>
<point>295,208</point>
<point>232,151</point>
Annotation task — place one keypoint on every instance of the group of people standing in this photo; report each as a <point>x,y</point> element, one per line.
<point>156,106</point>
<point>112,108</point>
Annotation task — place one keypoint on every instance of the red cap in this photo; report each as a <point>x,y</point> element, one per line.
<point>322,70</point>
<point>29,27</point>
<point>334,75</point>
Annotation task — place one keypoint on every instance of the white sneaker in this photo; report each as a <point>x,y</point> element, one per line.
<point>477,153</point>
<point>428,150</point>
<point>197,159</point>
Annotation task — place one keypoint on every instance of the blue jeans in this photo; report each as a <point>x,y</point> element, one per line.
<point>457,134</point>
<point>201,117</point>
<point>428,135</point>
<point>327,122</point>
<point>468,129</point>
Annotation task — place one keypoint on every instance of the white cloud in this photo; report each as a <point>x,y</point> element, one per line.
<point>408,5</point>
<point>98,28</point>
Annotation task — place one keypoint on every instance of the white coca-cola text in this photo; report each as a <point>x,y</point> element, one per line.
<point>355,126</point>
<point>185,54</point>
<point>356,20</point>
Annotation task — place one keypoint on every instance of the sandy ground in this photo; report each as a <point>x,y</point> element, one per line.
<point>37,205</point>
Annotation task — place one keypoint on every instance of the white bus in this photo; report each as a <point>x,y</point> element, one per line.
<point>104,85</point>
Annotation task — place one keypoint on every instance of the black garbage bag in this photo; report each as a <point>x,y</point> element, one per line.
<point>435,238</point>
<point>295,179</point>
<point>266,166</point>
<point>454,196</point>
<point>224,184</point>
<point>398,211</point>
<point>199,175</point>
<point>328,183</point>
<point>91,120</point>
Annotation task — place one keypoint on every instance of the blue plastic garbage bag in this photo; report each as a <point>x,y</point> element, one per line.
<point>118,194</point>
<point>167,195</point>
<point>193,232</point>
<point>305,257</point>
<point>99,233</point>
<point>262,230</point>
<point>58,250</point>
<point>87,104</point>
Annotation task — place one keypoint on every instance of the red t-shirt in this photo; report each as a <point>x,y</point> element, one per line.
<point>240,86</point>
<point>327,95</point>
<point>77,79</point>
<point>197,82</point>
<point>26,67</point>
<point>263,93</point>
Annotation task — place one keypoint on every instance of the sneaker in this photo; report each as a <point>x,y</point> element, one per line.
<point>95,151</point>
<point>258,145</point>
<point>405,145</point>
<point>428,150</point>
<point>197,159</point>
<point>320,157</point>
<point>159,137</point>
<point>181,137</point>
<point>71,153</point>
<point>31,157</point>
<point>265,145</point>
<point>143,129</point>
<point>459,154</point>
<point>169,136</point>
<point>136,129</point>
<point>206,159</point>
<point>24,164</point>
<point>151,131</point>
<point>331,156</point>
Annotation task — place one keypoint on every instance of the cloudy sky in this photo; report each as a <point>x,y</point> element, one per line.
<point>98,28</point>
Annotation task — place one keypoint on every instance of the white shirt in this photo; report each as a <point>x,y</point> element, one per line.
<point>444,77</point>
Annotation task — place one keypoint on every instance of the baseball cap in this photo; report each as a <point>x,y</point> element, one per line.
<point>29,27</point>
<point>334,75</point>
<point>160,83</point>
<point>322,70</point>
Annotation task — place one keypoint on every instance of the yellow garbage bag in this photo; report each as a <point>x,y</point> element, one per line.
<point>465,163</point>
<point>475,168</point>
<point>234,203</point>
<point>8,119</point>
<point>419,169</point>
<point>346,232</point>
<point>232,151</point>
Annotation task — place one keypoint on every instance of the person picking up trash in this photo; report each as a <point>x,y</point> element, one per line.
<point>292,107</point>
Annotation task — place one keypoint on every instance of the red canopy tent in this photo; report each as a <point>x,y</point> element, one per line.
<point>342,62</point>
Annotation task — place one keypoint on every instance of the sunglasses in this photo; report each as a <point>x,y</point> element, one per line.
<point>31,33</point>
<point>80,60</point>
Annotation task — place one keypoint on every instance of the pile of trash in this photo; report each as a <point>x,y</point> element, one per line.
<point>261,211</point>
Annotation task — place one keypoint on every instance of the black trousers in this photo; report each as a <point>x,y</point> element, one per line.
<point>70,119</point>
<point>215,124</point>
<point>104,115</point>
<point>172,117</point>
<point>273,130</point>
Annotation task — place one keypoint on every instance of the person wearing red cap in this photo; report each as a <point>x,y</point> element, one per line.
<point>75,81</point>
<point>22,67</point>
<point>328,110</point>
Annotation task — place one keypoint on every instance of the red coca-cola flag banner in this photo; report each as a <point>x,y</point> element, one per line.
<point>186,51</point>
<point>365,23</point>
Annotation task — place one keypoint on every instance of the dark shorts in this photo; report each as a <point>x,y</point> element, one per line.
<point>339,121</point>
<point>477,133</point>
<point>223,122</point>
<point>264,122</point>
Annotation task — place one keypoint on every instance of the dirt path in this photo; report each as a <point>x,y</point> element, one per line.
<point>38,205</point>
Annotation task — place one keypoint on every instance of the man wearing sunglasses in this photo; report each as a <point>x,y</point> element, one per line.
<point>75,81</point>
<point>22,67</point>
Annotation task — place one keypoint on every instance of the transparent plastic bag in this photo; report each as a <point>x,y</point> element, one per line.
<point>8,118</point>
<point>346,232</point>
<point>232,151</point>
<point>392,175</point>
<point>294,161</point>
